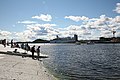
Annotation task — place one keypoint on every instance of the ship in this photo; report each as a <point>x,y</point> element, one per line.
<point>65,39</point>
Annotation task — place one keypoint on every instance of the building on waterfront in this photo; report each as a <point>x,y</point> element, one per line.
<point>65,39</point>
<point>113,39</point>
<point>75,37</point>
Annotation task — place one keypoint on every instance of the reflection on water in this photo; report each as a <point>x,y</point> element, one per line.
<point>84,62</point>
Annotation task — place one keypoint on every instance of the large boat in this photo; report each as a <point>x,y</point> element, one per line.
<point>64,40</point>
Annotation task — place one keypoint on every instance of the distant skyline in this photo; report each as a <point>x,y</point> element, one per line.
<point>27,20</point>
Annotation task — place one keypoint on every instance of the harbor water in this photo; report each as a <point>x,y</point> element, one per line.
<point>83,62</point>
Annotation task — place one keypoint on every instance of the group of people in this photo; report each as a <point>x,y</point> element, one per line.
<point>24,46</point>
<point>37,50</point>
<point>5,43</point>
<point>32,49</point>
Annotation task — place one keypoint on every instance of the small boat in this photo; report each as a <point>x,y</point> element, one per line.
<point>78,43</point>
<point>89,42</point>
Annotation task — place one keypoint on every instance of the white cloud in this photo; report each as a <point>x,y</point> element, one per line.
<point>117,8</point>
<point>77,18</point>
<point>100,21</point>
<point>118,34</point>
<point>5,33</point>
<point>48,25</point>
<point>106,34</point>
<point>102,26</point>
<point>43,17</point>
<point>73,27</point>
<point>116,19</point>
<point>35,31</point>
<point>38,26</point>
<point>80,30</point>
<point>33,28</point>
<point>103,23</point>
<point>26,35</point>
<point>27,22</point>
<point>91,28</point>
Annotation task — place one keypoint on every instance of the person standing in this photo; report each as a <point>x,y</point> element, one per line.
<point>22,46</point>
<point>38,52</point>
<point>12,43</point>
<point>4,42</point>
<point>27,47</point>
<point>33,50</point>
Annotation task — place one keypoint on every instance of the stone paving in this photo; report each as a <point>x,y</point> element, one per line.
<point>18,68</point>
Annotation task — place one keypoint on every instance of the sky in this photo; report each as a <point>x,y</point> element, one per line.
<point>27,20</point>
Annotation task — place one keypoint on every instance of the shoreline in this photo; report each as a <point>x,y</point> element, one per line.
<point>17,68</point>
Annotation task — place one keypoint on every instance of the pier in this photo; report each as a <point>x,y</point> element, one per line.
<point>14,67</point>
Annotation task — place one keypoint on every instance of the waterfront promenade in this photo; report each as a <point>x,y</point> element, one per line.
<point>18,68</point>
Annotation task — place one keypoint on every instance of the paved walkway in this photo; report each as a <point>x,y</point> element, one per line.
<point>18,68</point>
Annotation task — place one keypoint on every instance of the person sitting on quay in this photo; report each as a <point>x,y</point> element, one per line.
<point>27,47</point>
<point>17,45</point>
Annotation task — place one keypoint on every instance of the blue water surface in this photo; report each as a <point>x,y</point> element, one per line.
<point>83,62</point>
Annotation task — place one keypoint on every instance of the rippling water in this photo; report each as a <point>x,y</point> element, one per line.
<point>84,62</point>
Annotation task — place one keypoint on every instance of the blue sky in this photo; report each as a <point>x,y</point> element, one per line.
<point>62,17</point>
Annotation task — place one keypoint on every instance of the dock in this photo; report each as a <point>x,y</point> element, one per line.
<point>15,67</point>
<point>20,52</point>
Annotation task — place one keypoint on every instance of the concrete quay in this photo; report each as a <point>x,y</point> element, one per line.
<point>18,68</point>
<point>14,67</point>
